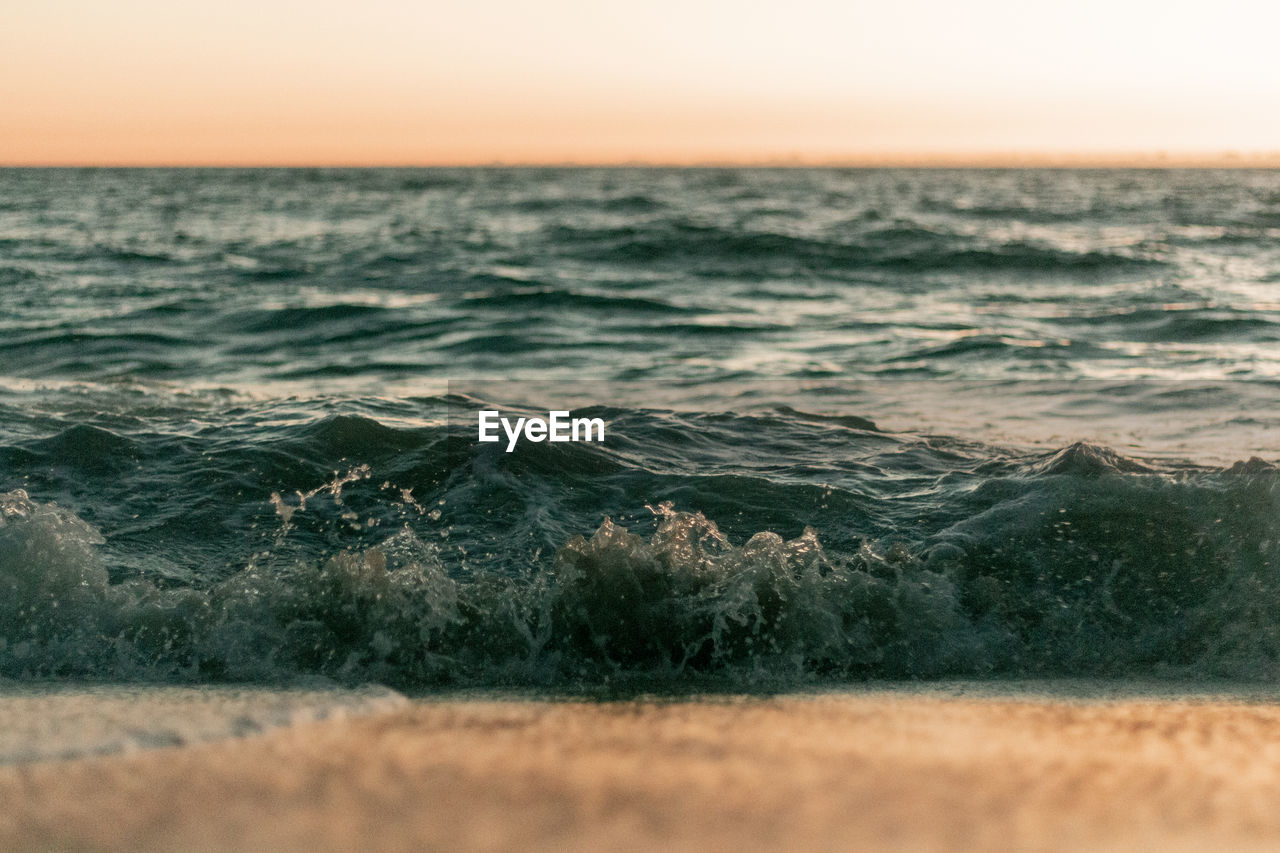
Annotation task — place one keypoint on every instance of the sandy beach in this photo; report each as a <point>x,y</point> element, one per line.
<point>942,768</point>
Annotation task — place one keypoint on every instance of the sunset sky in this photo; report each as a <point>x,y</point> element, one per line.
<point>392,82</point>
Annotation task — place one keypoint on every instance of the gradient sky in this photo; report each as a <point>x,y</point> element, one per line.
<point>392,82</point>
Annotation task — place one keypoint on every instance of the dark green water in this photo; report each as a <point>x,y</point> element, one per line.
<point>861,424</point>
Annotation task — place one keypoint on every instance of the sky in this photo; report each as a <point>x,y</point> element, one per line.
<point>389,82</point>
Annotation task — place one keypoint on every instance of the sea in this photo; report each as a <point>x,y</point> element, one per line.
<point>860,425</point>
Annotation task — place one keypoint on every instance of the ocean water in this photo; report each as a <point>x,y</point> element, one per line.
<point>861,424</point>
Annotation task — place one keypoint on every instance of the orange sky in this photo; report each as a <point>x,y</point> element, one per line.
<point>393,82</point>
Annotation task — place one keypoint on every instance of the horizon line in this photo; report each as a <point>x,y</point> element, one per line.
<point>977,160</point>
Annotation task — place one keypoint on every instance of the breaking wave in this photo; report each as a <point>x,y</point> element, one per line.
<point>1080,562</point>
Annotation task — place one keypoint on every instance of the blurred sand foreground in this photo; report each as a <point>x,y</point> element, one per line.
<point>869,770</point>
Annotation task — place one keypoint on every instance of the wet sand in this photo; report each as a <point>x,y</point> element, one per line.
<point>915,769</point>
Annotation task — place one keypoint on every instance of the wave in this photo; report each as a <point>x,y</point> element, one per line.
<point>1077,562</point>
<point>636,203</point>
<point>546,297</point>
<point>1200,325</point>
<point>1026,212</point>
<point>1175,323</point>
<point>14,275</point>
<point>900,248</point>
<point>296,328</point>
<point>996,347</point>
<point>68,350</point>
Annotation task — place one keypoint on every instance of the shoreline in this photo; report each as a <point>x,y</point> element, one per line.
<point>939,768</point>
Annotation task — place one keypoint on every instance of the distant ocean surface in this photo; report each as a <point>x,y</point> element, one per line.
<point>862,424</point>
